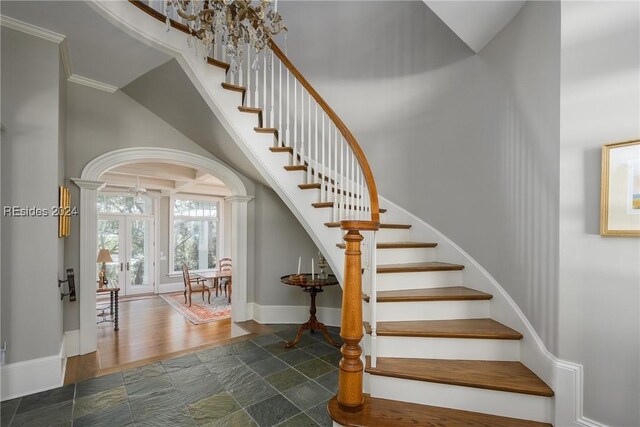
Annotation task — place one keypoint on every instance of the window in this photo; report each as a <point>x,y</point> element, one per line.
<point>109,203</point>
<point>195,233</point>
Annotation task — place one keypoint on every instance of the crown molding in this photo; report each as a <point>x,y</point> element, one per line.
<point>33,30</point>
<point>85,81</point>
<point>64,57</point>
<point>16,24</point>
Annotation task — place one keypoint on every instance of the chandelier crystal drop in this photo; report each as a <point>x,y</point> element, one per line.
<point>235,23</point>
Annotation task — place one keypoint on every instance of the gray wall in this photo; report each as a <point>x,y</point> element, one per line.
<point>467,142</point>
<point>99,122</point>
<point>599,276</point>
<point>279,241</point>
<point>31,151</point>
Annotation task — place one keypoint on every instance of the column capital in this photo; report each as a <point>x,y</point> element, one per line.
<point>89,184</point>
<point>238,199</point>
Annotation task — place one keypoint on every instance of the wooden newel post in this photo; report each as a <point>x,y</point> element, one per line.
<point>350,395</point>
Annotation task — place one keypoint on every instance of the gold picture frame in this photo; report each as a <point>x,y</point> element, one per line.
<point>620,189</point>
<point>64,211</point>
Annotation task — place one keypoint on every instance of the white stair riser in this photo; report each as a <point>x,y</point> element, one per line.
<point>299,177</point>
<point>424,279</point>
<point>393,235</point>
<point>397,256</point>
<point>432,310</point>
<point>448,348</point>
<point>515,405</point>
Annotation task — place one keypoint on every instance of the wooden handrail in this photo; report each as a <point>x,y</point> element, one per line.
<point>344,130</point>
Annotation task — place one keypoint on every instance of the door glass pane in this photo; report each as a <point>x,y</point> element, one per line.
<point>108,238</point>
<point>140,262</point>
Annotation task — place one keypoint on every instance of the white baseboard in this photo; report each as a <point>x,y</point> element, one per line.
<point>277,314</point>
<point>33,376</point>
<point>72,343</point>
<point>568,389</point>
<point>164,288</point>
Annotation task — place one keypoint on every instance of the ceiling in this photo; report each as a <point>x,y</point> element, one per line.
<point>476,22</point>
<point>97,49</point>
<point>165,178</point>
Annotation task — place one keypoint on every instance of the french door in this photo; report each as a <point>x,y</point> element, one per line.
<point>130,240</point>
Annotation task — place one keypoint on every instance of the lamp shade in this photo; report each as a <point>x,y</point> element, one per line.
<point>104,256</point>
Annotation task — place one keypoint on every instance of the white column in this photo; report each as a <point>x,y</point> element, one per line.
<point>88,252</point>
<point>239,243</point>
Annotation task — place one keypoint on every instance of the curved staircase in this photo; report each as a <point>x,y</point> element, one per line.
<point>434,354</point>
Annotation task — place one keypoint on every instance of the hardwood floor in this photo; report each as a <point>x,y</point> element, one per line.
<point>151,330</point>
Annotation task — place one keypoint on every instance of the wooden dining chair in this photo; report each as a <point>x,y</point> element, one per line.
<point>194,284</point>
<point>225,265</point>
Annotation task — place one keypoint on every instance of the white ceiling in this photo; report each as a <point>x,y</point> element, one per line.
<point>97,49</point>
<point>476,22</point>
<point>165,178</point>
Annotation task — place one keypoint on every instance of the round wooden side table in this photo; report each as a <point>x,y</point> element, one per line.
<point>313,288</point>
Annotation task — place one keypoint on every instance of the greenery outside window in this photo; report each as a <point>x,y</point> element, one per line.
<point>195,233</point>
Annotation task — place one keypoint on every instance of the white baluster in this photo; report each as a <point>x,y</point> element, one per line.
<point>264,85</point>
<point>309,175</point>
<point>352,196</point>
<point>342,179</point>
<point>288,138</point>
<point>295,121</point>
<point>256,97</point>
<point>323,194</point>
<point>373,298</point>
<point>334,191</point>
<point>302,151</point>
<point>247,92</point>
<point>272,111</point>
<point>280,103</point>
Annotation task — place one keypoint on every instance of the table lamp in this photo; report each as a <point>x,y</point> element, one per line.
<point>104,256</point>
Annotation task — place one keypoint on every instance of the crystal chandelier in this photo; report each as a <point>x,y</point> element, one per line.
<point>239,22</point>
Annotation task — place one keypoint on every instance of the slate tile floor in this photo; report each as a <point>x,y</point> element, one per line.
<point>255,382</point>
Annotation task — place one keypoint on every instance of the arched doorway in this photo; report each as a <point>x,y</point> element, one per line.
<point>90,184</point>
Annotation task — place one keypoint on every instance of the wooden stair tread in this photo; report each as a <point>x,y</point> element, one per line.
<point>390,226</point>
<point>233,87</point>
<point>487,374</point>
<point>393,413</point>
<point>266,130</point>
<point>315,185</point>
<point>453,293</point>
<point>415,267</point>
<point>295,168</point>
<point>319,205</point>
<point>218,64</point>
<point>398,245</point>
<point>249,109</point>
<point>281,149</point>
<point>455,328</point>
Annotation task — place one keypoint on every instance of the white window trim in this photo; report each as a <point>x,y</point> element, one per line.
<point>220,228</point>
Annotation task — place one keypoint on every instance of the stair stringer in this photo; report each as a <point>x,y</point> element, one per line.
<point>224,104</point>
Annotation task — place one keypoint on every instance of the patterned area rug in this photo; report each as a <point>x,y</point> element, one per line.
<point>200,311</point>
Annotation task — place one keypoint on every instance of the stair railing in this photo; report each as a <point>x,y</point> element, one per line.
<point>324,148</point>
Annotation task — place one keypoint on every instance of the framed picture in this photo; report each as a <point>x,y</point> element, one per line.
<point>620,193</point>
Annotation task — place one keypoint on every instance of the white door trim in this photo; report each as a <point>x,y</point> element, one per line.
<point>89,183</point>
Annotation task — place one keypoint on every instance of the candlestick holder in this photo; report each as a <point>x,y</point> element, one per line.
<point>322,263</point>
